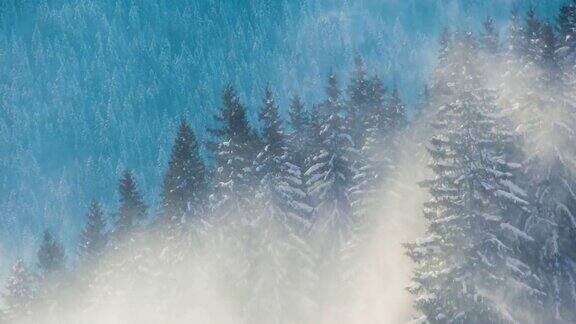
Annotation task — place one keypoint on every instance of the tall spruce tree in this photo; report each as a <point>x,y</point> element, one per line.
<point>516,35</point>
<point>533,37</point>
<point>440,85</point>
<point>331,171</point>
<point>274,149</point>
<point>234,150</point>
<point>395,112</point>
<point>330,178</point>
<point>374,154</point>
<point>50,256</point>
<point>54,281</point>
<point>539,92</point>
<point>20,292</point>
<point>282,176</point>
<point>549,60</point>
<point>545,110</point>
<point>489,39</point>
<point>472,266</point>
<point>372,167</point>
<point>376,113</point>
<point>358,92</point>
<point>300,146</point>
<point>275,241</point>
<point>184,189</point>
<point>567,28</point>
<point>132,209</point>
<point>300,132</point>
<point>94,237</point>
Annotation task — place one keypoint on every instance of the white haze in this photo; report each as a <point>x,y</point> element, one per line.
<point>198,284</point>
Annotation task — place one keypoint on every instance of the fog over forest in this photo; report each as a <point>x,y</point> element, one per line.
<point>287,162</point>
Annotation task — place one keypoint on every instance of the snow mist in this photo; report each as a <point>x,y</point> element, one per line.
<point>205,277</point>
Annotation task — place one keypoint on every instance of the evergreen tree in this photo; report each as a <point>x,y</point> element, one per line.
<point>396,112</point>
<point>94,238</point>
<point>299,119</point>
<point>375,154</point>
<point>376,114</point>
<point>441,74</point>
<point>567,27</point>
<point>185,185</point>
<point>282,177</point>
<point>299,137</point>
<point>331,172</point>
<point>374,164</point>
<point>358,102</point>
<point>132,209</point>
<point>330,178</point>
<point>516,34</point>
<point>489,37</point>
<point>277,241</point>
<point>549,60</point>
<point>20,292</point>
<point>545,110</point>
<point>274,152</point>
<point>473,260</point>
<point>235,150</point>
<point>50,256</point>
<point>54,281</point>
<point>300,147</point>
<point>533,37</point>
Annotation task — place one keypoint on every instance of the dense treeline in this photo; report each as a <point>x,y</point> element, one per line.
<point>500,241</point>
<point>305,181</point>
<point>292,200</point>
<point>103,83</point>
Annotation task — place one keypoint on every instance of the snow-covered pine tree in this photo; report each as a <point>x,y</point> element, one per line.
<point>234,150</point>
<point>300,132</point>
<point>278,254</point>
<point>532,37</point>
<point>330,174</point>
<point>374,161</point>
<point>300,143</point>
<point>317,118</point>
<point>281,171</point>
<point>567,29</point>
<point>544,109</point>
<point>20,292</point>
<point>376,112</point>
<point>396,122</point>
<point>373,165</point>
<point>471,268</point>
<point>358,102</point>
<point>489,39</point>
<point>330,177</point>
<point>50,256</point>
<point>94,237</point>
<point>184,190</point>
<point>128,251</point>
<point>395,112</point>
<point>516,35</point>
<point>132,209</point>
<point>549,60</point>
<point>92,246</point>
<point>442,75</point>
<point>53,280</point>
<point>273,154</point>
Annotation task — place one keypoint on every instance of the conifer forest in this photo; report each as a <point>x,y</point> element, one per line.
<point>287,161</point>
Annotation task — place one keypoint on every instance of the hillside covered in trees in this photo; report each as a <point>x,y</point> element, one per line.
<point>354,201</point>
